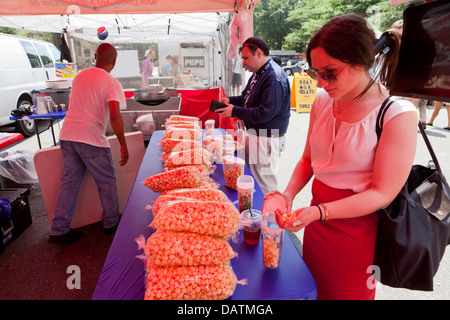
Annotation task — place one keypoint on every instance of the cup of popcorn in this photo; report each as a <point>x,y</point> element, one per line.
<point>245,186</point>
<point>233,168</point>
<point>272,238</point>
<point>209,127</point>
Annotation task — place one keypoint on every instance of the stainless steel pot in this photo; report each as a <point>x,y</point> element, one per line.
<point>154,88</point>
<point>149,97</point>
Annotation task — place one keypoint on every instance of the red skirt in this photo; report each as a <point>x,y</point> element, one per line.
<point>340,252</point>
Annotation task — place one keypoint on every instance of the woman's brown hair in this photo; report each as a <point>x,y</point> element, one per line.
<point>351,39</point>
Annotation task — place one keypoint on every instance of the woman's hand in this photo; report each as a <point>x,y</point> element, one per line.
<point>296,220</point>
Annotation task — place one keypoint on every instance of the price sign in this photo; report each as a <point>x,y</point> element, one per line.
<point>303,93</point>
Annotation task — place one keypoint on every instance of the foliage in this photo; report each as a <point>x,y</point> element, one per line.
<point>270,21</point>
<point>289,24</point>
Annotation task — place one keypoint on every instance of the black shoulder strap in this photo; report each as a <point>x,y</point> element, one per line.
<point>381,113</point>
<point>379,127</point>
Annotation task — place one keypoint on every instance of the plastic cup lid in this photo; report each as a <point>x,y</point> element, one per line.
<point>245,180</point>
<point>233,160</point>
<point>275,202</point>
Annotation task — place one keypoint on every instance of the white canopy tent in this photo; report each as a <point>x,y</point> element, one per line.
<point>141,21</point>
<point>126,28</point>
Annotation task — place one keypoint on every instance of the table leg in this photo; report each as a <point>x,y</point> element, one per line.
<point>53,132</point>
<point>37,133</point>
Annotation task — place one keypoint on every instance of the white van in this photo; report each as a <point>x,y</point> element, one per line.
<point>25,65</point>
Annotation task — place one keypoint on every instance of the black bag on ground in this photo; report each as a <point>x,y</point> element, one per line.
<point>414,230</point>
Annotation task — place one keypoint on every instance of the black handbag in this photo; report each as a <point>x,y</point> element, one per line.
<point>414,230</point>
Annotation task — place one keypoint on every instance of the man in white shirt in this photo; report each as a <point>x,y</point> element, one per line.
<point>95,98</point>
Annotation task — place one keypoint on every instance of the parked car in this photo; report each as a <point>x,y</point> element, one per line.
<point>298,67</point>
<point>288,61</point>
<point>25,65</point>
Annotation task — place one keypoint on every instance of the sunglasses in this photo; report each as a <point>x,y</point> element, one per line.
<point>327,76</point>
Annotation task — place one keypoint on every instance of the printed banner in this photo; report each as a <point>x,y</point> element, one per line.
<point>303,93</point>
<point>66,70</point>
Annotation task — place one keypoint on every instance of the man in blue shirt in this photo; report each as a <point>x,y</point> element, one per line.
<point>264,106</point>
<point>166,68</point>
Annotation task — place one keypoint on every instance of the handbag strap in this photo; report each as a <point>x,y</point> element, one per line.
<point>380,117</point>
<point>379,127</point>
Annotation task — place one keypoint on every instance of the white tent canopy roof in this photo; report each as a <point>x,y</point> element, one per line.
<point>126,28</point>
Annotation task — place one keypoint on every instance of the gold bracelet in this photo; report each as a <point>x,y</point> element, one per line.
<point>326,211</point>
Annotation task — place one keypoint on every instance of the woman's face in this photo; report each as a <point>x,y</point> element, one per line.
<point>345,78</point>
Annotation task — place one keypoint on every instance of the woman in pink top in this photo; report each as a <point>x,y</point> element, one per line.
<point>354,174</point>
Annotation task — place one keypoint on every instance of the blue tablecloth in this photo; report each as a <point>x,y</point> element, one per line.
<point>123,275</point>
<point>52,115</point>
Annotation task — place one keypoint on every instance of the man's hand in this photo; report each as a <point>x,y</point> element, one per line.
<point>225,112</point>
<point>123,155</point>
<point>117,125</point>
<point>224,100</point>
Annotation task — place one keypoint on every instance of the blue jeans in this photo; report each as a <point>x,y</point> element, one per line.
<point>76,158</point>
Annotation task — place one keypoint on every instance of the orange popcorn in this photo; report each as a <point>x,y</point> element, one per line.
<point>182,133</point>
<point>180,125</point>
<point>231,175</point>
<point>202,168</point>
<point>172,248</point>
<point>199,194</point>
<point>214,282</point>
<point>271,251</point>
<point>288,217</point>
<point>188,157</point>
<point>169,145</point>
<point>203,194</point>
<point>183,177</point>
<point>214,218</point>
<point>233,168</point>
<point>178,117</point>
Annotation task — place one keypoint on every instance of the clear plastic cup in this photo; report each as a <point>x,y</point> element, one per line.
<point>233,168</point>
<point>245,186</point>
<point>251,226</point>
<point>272,237</point>
<point>209,127</point>
<point>228,147</point>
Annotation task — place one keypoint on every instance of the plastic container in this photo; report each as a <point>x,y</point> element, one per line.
<point>245,186</point>
<point>228,148</point>
<point>233,168</point>
<point>41,104</point>
<point>272,237</point>
<point>209,127</point>
<point>272,234</point>
<point>251,226</point>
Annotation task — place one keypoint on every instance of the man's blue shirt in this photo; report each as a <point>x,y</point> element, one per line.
<point>269,103</point>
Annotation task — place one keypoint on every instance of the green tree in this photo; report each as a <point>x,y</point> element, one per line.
<point>7,30</point>
<point>270,21</point>
<point>304,17</point>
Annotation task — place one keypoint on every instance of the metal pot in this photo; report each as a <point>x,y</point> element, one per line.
<point>171,92</point>
<point>154,88</point>
<point>149,98</point>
